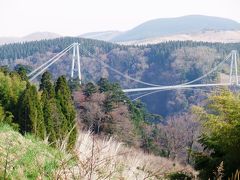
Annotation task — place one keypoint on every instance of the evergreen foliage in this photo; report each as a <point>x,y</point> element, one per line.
<point>50,113</point>
<point>11,87</point>
<point>107,110</point>
<point>90,89</point>
<point>30,115</point>
<point>167,63</point>
<point>22,71</point>
<point>221,134</point>
<point>53,117</point>
<point>104,85</point>
<point>66,105</point>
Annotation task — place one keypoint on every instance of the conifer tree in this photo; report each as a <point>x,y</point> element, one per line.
<point>66,105</point>
<point>104,85</point>
<point>53,117</point>
<point>22,71</point>
<point>90,88</point>
<point>30,116</point>
<point>46,84</point>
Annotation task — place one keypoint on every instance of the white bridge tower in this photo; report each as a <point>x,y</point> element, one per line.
<point>233,76</point>
<point>76,59</point>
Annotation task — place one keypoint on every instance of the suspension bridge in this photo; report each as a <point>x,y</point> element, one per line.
<point>231,58</point>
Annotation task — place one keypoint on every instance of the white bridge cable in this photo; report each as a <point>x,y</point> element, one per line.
<point>54,57</point>
<point>211,71</point>
<point>184,85</point>
<point>143,94</point>
<point>126,76</point>
<point>137,94</point>
<point>157,85</point>
<point>150,84</point>
<point>150,93</point>
<point>53,61</point>
<point>120,73</point>
<point>174,87</point>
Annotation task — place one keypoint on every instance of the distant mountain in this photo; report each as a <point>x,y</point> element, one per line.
<point>7,40</point>
<point>180,25</point>
<point>206,36</point>
<point>31,37</point>
<point>40,36</point>
<point>105,35</point>
<point>192,27</point>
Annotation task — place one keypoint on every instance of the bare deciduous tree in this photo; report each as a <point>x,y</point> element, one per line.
<point>180,136</point>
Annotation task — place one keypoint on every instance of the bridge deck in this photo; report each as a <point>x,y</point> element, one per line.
<point>174,87</point>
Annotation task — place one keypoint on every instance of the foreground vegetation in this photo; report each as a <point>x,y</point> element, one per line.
<point>25,157</point>
<point>49,146</point>
<point>220,135</point>
<point>46,113</point>
<point>46,120</point>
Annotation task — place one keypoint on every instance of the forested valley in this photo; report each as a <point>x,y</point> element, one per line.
<point>199,128</point>
<point>167,63</point>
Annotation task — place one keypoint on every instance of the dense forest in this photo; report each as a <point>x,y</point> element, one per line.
<point>204,134</point>
<point>167,63</point>
<point>206,137</point>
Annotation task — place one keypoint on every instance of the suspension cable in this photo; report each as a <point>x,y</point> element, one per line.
<point>157,85</point>
<point>53,61</point>
<point>54,57</point>
<point>211,71</point>
<point>59,55</point>
<point>146,94</point>
<point>120,73</point>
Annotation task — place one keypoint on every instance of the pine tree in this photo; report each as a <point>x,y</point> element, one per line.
<point>53,117</point>
<point>22,71</point>
<point>90,88</point>
<point>104,85</point>
<point>66,105</point>
<point>30,116</point>
<point>46,84</point>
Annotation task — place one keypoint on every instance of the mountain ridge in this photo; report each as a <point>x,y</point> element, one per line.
<point>156,31</point>
<point>101,35</point>
<point>179,25</point>
<point>36,36</point>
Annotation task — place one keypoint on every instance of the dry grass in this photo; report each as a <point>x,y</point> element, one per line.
<point>108,159</point>
<point>25,157</point>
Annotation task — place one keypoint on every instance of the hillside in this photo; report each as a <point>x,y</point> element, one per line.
<point>30,37</point>
<point>59,112</point>
<point>179,25</point>
<point>192,28</point>
<point>206,36</point>
<point>26,157</point>
<point>104,36</point>
<point>165,64</point>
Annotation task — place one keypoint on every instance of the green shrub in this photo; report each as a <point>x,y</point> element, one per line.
<point>179,176</point>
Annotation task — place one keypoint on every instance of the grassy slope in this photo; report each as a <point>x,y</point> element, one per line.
<point>24,157</point>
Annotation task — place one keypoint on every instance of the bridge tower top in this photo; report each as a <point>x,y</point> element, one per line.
<point>76,58</point>
<point>233,76</point>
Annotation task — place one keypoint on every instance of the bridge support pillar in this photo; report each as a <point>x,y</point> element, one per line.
<point>233,76</point>
<point>76,58</point>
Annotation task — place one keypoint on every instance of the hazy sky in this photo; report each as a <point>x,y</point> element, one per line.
<point>74,17</point>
